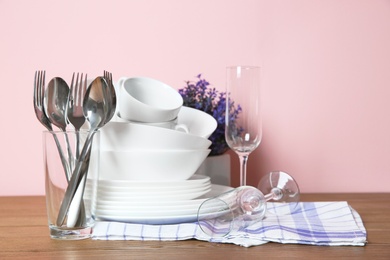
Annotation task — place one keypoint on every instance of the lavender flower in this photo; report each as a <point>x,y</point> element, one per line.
<point>201,96</point>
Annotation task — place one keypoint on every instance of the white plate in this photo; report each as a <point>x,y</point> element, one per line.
<point>134,205</point>
<point>193,182</point>
<point>166,206</point>
<point>161,220</point>
<point>160,197</point>
<point>142,192</point>
<point>215,190</point>
<point>186,211</point>
<point>150,213</point>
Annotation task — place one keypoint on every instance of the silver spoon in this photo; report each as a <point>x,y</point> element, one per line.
<point>97,107</point>
<point>56,100</point>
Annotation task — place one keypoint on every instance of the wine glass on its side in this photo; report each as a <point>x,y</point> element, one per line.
<point>243,206</point>
<point>243,130</point>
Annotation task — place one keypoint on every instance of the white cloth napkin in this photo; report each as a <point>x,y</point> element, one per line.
<point>314,223</point>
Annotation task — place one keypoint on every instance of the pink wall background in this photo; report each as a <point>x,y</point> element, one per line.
<point>325,68</point>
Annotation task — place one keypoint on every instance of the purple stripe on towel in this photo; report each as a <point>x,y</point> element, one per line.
<point>124,232</point>
<point>142,232</point>
<point>108,227</point>
<point>305,228</point>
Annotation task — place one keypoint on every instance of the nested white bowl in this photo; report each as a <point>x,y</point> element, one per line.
<point>147,100</point>
<point>153,165</point>
<point>124,136</point>
<point>198,122</point>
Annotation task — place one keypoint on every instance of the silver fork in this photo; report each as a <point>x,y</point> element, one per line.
<point>108,77</point>
<point>75,112</point>
<point>39,93</point>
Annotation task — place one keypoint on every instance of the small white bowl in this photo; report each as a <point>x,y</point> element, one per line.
<point>197,122</point>
<point>147,100</point>
<point>153,165</point>
<point>189,120</point>
<point>124,136</point>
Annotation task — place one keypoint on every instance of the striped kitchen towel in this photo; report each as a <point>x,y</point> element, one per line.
<point>313,223</point>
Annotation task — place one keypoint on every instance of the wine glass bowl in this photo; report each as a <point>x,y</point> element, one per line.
<point>243,130</point>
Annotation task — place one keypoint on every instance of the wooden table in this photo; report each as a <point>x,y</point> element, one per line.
<point>24,234</point>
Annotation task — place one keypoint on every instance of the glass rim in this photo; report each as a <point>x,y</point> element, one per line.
<point>243,67</point>
<point>67,131</point>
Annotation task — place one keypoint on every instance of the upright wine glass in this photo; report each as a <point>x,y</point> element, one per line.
<point>243,129</point>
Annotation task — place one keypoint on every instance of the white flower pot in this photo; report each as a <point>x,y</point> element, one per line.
<point>218,168</point>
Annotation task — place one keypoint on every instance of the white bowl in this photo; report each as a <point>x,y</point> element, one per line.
<point>197,122</point>
<point>153,165</point>
<point>147,100</point>
<point>173,124</point>
<point>125,136</point>
<point>189,120</point>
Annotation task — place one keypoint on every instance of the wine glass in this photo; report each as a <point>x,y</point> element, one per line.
<point>243,130</point>
<point>282,190</point>
<point>245,205</point>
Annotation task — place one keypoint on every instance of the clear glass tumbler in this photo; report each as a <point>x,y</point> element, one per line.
<point>60,157</point>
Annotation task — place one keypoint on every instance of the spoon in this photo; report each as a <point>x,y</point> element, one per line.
<point>56,100</point>
<point>97,106</point>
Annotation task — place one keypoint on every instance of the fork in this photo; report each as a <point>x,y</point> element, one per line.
<point>39,91</point>
<point>111,92</point>
<point>75,112</point>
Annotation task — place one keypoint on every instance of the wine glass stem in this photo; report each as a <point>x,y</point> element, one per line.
<point>243,162</point>
<point>276,194</point>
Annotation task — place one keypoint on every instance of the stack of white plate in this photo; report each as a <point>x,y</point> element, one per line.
<point>149,202</point>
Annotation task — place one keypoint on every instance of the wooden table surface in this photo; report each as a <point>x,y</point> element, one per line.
<point>24,234</point>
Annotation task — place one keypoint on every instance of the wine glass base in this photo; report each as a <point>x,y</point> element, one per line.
<point>285,192</point>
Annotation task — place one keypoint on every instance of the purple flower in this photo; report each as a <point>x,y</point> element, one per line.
<point>202,97</point>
